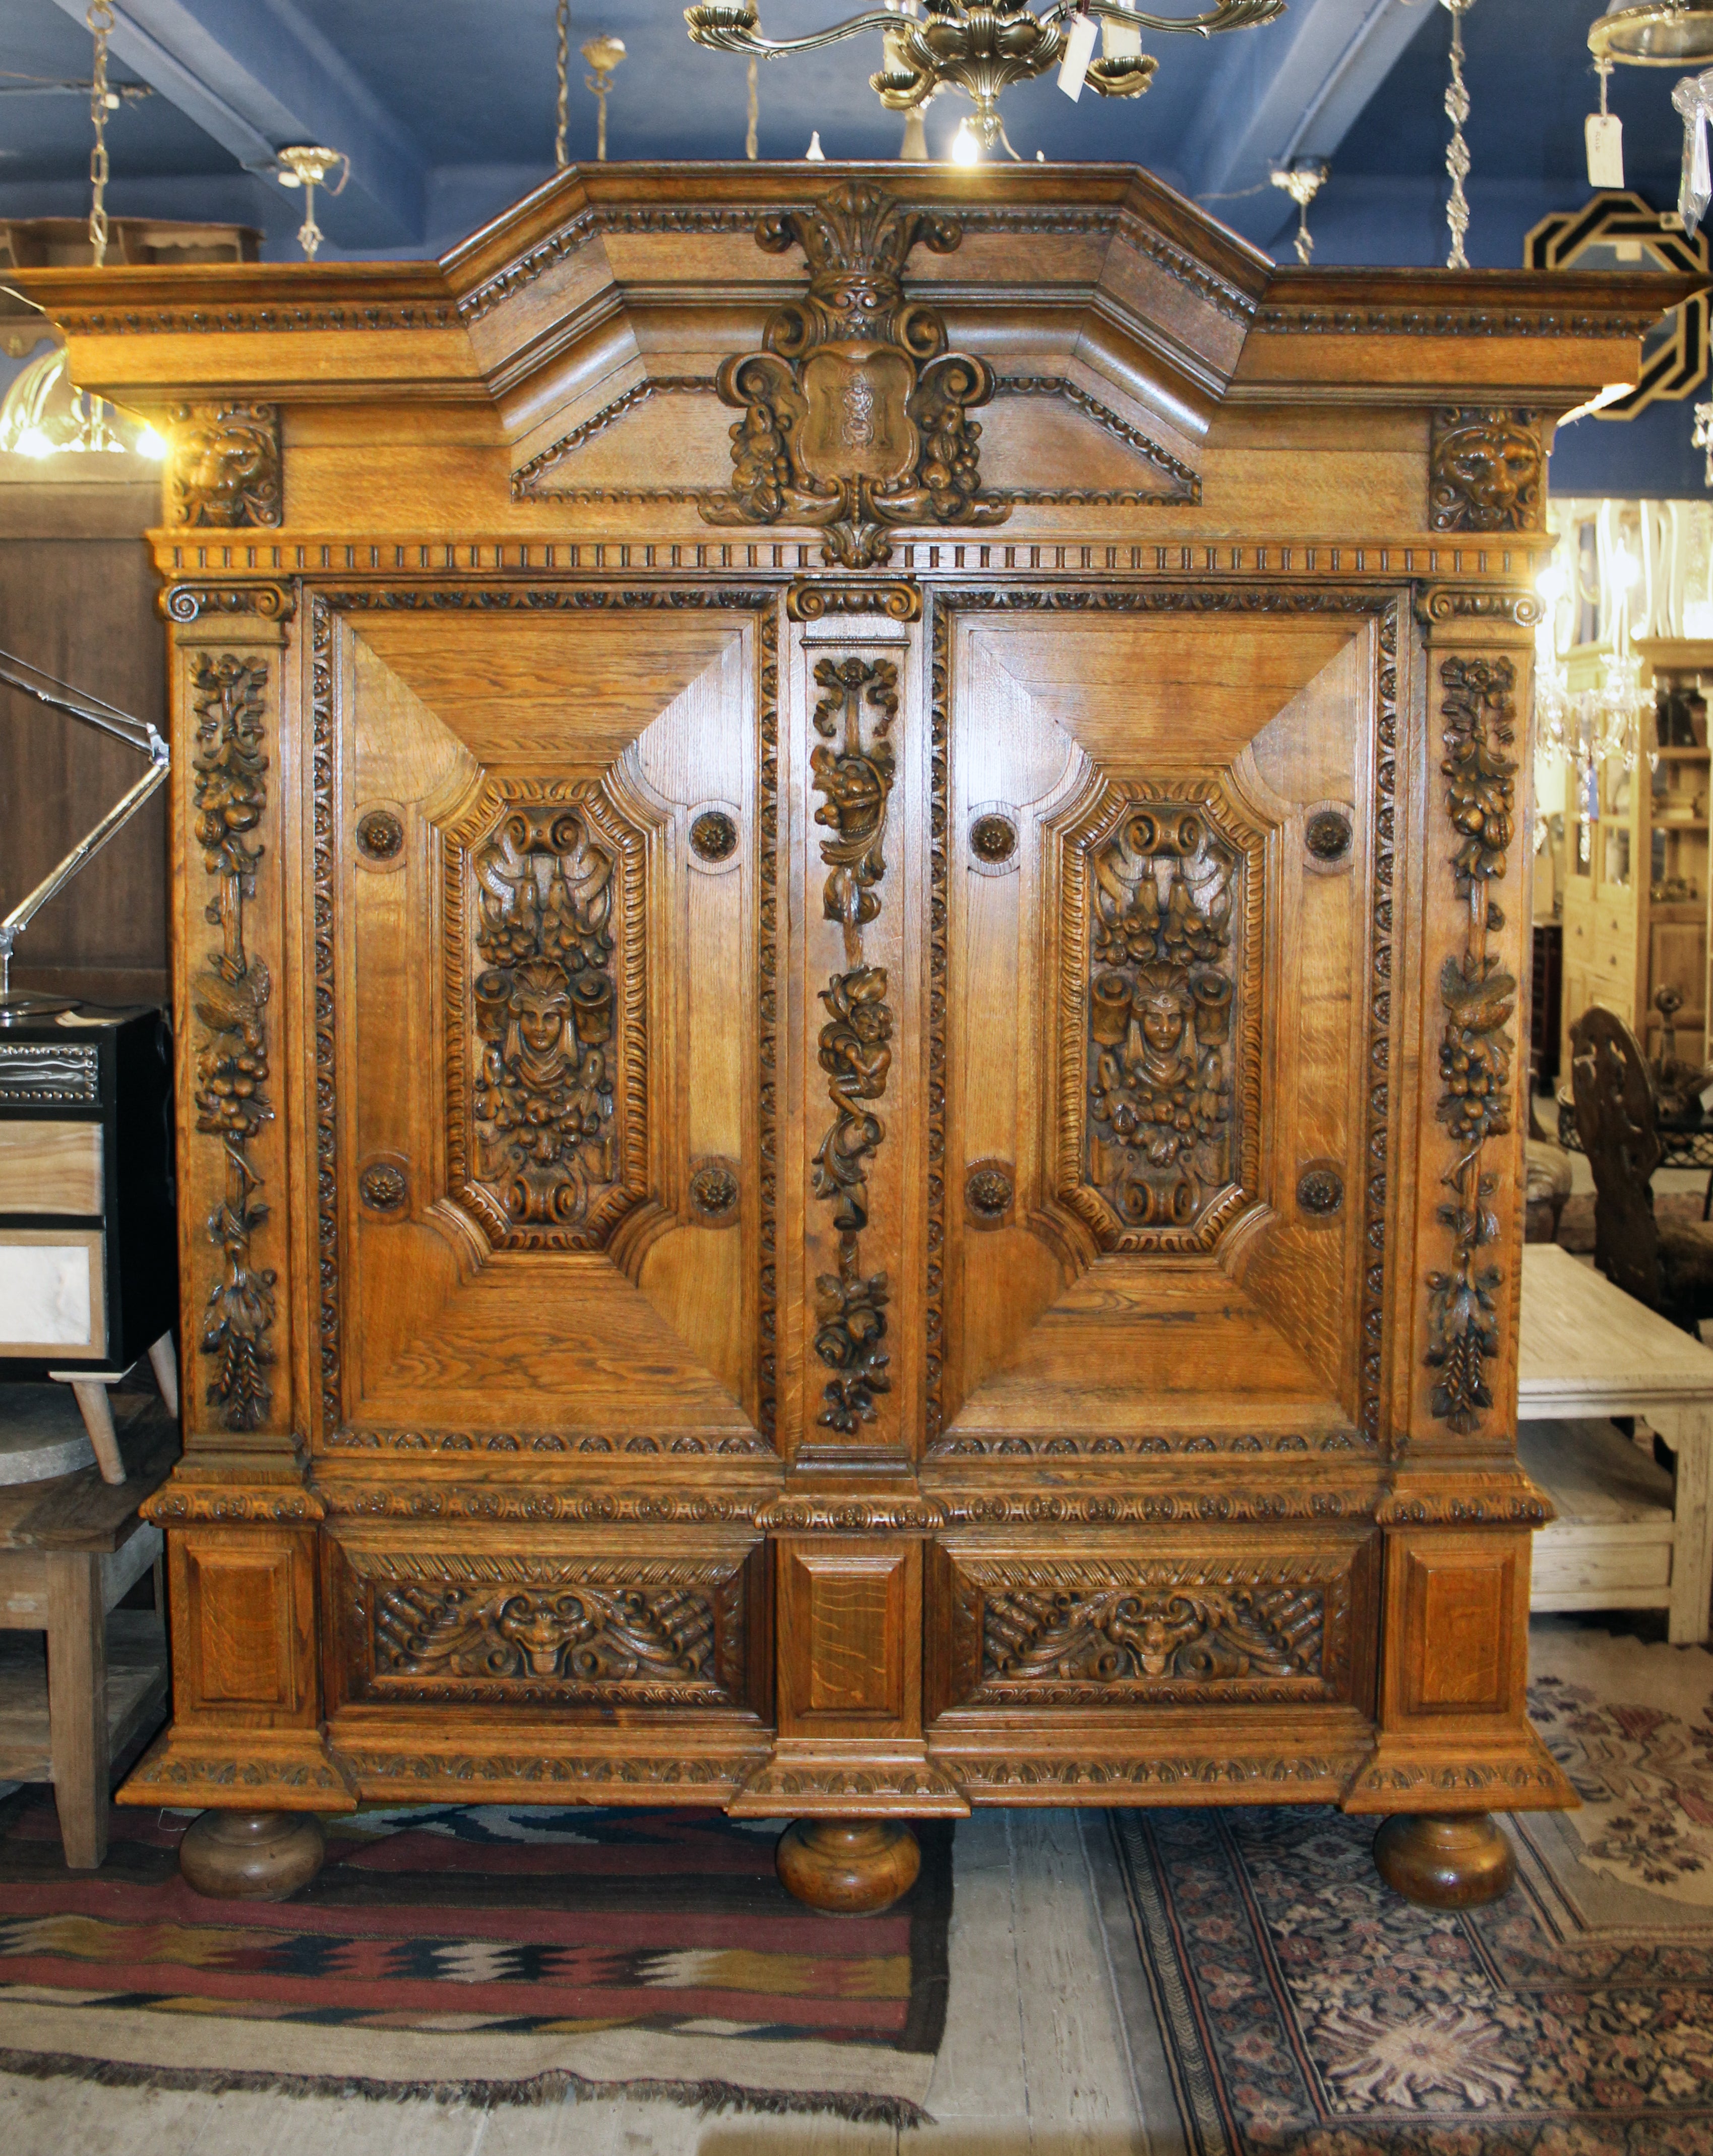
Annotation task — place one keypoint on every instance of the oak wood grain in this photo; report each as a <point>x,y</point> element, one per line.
<point>1195,898</point>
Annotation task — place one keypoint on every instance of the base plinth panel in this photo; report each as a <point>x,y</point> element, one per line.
<point>847,1867</point>
<point>1445,1860</point>
<point>254,1856</point>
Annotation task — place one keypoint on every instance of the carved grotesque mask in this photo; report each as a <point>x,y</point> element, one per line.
<point>1486,472</point>
<point>226,468</point>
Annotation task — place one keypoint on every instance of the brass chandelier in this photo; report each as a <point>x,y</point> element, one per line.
<point>981,46</point>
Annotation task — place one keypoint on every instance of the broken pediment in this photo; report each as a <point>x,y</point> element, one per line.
<point>855,335</point>
<point>856,414</point>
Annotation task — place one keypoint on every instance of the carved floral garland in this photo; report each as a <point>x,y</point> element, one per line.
<point>231,1000</point>
<point>1478,996</point>
<point>855,1051</point>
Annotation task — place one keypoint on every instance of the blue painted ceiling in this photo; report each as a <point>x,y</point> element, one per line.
<point>467,85</point>
<point>446,108</point>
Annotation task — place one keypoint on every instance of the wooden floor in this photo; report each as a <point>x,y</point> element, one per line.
<point>1035,2061</point>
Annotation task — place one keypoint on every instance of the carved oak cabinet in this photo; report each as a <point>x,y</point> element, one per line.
<point>850,872</point>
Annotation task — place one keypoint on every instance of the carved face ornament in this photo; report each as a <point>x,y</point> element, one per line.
<point>540,1009</point>
<point>230,473</point>
<point>542,1626</point>
<point>1163,1012</point>
<point>1486,469</point>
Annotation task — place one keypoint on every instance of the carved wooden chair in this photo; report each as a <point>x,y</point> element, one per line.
<point>1666,1267</point>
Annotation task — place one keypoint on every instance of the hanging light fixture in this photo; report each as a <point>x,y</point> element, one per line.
<point>1655,34</point>
<point>561,57</point>
<point>1660,33</point>
<point>1302,179</point>
<point>1601,726</point>
<point>306,165</point>
<point>981,46</point>
<point>102,101</point>
<point>602,55</point>
<point>45,415</point>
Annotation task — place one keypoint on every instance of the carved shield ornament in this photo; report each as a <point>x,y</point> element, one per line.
<point>855,417</point>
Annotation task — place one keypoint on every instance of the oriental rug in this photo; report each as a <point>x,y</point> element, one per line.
<point>1288,2003</point>
<point>488,1953</point>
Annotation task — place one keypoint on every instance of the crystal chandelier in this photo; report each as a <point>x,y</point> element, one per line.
<point>1657,34</point>
<point>982,47</point>
<point>1667,34</point>
<point>1601,726</point>
<point>43,416</point>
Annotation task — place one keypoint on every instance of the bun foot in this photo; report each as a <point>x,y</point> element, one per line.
<point>1444,1860</point>
<point>847,1867</point>
<point>257,1856</point>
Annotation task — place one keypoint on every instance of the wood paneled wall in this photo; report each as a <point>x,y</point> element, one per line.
<point>77,597</point>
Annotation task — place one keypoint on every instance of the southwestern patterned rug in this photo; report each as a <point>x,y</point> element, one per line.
<point>491,1954</point>
<point>1288,2001</point>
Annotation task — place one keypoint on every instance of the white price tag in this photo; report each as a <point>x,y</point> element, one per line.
<point>1078,51</point>
<point>1604,133</point>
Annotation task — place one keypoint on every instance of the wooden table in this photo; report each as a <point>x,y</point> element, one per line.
<point>1623,1538</point>
<point>69,1549</point>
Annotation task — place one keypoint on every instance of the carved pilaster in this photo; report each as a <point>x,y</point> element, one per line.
<point>241,1522</point>
<point>231,994</point>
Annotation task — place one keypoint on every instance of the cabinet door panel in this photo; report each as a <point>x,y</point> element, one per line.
<point>1163,862</point>
<point>549,1028</point>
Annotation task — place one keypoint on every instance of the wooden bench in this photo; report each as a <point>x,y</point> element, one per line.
<point>1625,1537</point>
<point>70,1549</point>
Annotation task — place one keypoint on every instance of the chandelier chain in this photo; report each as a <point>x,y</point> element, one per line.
<point>563,21</point>
<point>99,22</point>
<point>1457,151</point>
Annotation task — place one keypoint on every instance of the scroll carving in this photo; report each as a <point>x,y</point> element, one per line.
<point>855,416</point>
<point>225,471</point>
<point>1485,471</point>
<point>230,999</point>
<point>544,1010</point>
<point>1092,1634</point>
<point>1121,1638</point>
<point>1478,996</point>
<point>1159,1016</point>
<point>516,1627</point>
<point>855,1043</point>
<point>552,936</point>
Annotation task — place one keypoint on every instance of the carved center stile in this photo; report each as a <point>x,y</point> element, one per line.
<point>855,1045</point>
